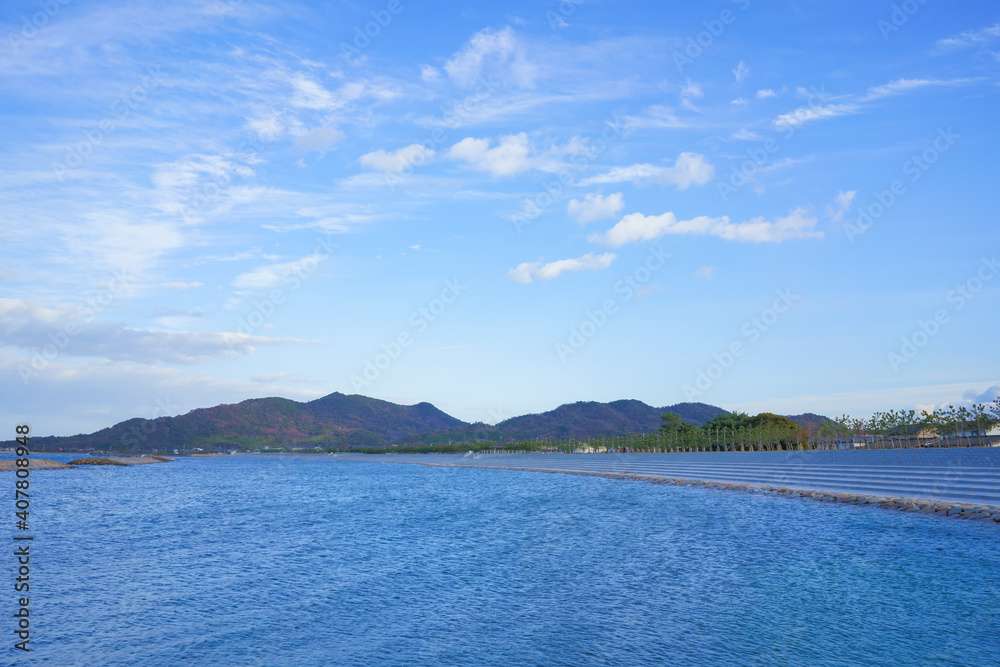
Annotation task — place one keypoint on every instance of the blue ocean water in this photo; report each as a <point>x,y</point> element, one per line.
<point>243,561</point>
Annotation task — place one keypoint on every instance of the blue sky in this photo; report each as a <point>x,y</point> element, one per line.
<point>497,207</point>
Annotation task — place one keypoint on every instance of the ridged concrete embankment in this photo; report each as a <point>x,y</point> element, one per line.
<point>953,482</point>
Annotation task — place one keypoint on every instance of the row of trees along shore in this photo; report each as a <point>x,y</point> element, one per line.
<point>739,432</point>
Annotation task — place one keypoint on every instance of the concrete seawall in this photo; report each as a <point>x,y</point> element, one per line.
<point>962,482</point>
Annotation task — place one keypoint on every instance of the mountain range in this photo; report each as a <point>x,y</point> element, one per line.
<point>340,420</point>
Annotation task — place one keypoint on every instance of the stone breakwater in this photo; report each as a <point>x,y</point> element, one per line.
<point>986,513</point>
<point>46,464</point>
<point>36,464</point>
<point>120,461</point>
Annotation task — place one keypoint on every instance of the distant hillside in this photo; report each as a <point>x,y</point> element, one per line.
<point>591,419</point>
<point>340,420</point>
<point>390,420</point>
<point>331,421</point>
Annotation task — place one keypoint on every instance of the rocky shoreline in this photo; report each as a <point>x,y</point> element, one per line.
<point>986,513</point>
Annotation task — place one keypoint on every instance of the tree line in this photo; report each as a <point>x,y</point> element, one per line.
<point>740,432</point>
<point>946,427</point>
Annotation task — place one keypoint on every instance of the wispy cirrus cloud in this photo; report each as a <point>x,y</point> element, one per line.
<point>855,103</point>
<point>841,204</point>
<point>491,50</point>
<point>30,325</point>
<point>900,86</point>
<point>691,91</point>
<point>741,71</point>
<point>276,274</point>
<point>972,37</point>
<point>744,134</point>
<point>706,272</point>
<point>95,393</point>
<point>803,115</point>
<point>307,93</point>
<point>656,117</point>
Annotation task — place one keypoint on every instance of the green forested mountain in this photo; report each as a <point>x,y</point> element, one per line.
<point>332,421</point>
<point>340,420</point>
<point>591,419</point>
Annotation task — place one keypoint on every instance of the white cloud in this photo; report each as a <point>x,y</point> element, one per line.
<point>522,272</point>
<point>274,274</point>
<point>765,93</point>
<point>490,49</point>
<point>530,272</point>
<point>689,169</point>
<point>741,72</point>
<point>595,207</point>
<point>396,161</point>
<point>638,227</point>
<point>746,135</point>
<point>181,285</point>
<point>704,272</point>
<point>740,101</point>
<point>509,157</point>
<point>319,138</point>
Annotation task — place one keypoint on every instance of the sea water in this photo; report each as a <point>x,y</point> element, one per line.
<point>291,561</point>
